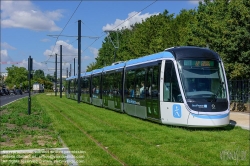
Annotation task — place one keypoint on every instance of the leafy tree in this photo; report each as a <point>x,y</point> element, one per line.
<point>50,78</point>
<point>39,74</point>
<point>92,66</point>
<point>223,25</point>
<point>16,77</point>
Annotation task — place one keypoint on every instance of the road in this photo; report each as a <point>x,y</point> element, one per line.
<point>10,98</point>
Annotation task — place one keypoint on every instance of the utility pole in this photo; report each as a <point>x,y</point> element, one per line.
<point>56,77</point>
<point>74,66</point>
<point>60,71</point>
<point>30,68</point>
<point>69,70</point>
<point>67,73</point>
<point>79,60</point>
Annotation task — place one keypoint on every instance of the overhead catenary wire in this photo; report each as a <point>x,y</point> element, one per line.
<point>96,38</point>
<point>64,28</point>
<point>121,24</point>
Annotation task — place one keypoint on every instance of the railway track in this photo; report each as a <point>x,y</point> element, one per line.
<point>100,122</point>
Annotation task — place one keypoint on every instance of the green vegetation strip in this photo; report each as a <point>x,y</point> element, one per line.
<point>22,131</point>
<point>138,142</point>
<point>103,137</point>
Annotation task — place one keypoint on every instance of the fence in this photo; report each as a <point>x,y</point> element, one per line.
<point>239,90</point>
<point>239,93</point>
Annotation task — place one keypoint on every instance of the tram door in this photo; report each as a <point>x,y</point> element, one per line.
<point>152,95</point>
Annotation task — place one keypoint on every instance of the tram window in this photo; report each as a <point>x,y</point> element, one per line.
<point>82,86</point>
<point>85,85</point>
<point>96,85</point>
<point>153,82</point>
<point>171,89</point>
<point>117,83</point>
<point>140,83</point>
<point>130,88</point>
<point>108,84</point>
<point>105,84</point>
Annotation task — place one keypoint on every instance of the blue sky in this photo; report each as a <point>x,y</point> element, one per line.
<point>27,26</point>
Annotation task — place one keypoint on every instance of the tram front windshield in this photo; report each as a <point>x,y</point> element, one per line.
<point>202,80</point>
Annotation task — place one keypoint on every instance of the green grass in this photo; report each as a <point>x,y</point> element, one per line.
<point>105,137</point>
<point>22,131</point>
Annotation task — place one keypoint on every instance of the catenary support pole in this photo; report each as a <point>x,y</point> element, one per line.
<point>74,66</point>
<point>69,70</point>
<point>56,76</point>
<point>79,60</point>
<point>67,73</point>
<point>30,68</point>
<point>60,71</point>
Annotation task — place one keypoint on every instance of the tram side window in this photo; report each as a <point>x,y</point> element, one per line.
<point>96,85</point>
<point>68,86</point>
<point>72,86</point>
<point>82,86</point>
<point>85,85</point>
<point>75,86</point>
<point>130,84</point>
<point>117,77</point>
<point>140,90</point>
<point>108,84</point>
<point>171,89</point>
<point>104,84</point>
<point>153,82</point>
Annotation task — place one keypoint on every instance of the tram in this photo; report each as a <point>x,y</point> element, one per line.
<point>181,86</point>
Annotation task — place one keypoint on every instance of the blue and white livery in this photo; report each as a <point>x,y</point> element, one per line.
<point>182,86</point>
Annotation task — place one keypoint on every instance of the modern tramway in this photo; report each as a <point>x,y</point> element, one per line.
<point>183,86</point>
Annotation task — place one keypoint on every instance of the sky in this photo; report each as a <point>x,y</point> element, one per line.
<point>38,28</point>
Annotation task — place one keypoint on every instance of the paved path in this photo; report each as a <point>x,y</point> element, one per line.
<point>240,119</point>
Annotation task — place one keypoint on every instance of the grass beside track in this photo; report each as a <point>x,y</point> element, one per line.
<point>105,137</point>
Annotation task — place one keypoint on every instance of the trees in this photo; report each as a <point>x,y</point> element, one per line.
<point>221,25</point>
<point>39,74</point>
<point>224,26</point>
<point>17,76</point>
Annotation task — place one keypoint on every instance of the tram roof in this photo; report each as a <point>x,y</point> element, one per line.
<point>193,52</point>
<point>71,77</point>
<point>149,58</point>
<point>114,67</point>
<point>83,74</point>
<point>97,71</point>
<point>88,74</point>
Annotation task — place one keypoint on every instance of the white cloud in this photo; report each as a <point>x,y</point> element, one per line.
<point>5,57</point>
<point>23,14</point>
<point>133,17</point>
<point>69,52</point>
<point>36,65</point>
<point>68,49</point>
<point>94,51</point>
<point>7,46</point>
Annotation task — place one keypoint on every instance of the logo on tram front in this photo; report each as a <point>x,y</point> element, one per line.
<point>176,111</point>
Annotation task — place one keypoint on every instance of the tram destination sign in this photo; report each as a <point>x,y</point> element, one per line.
<point>199,63</point>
